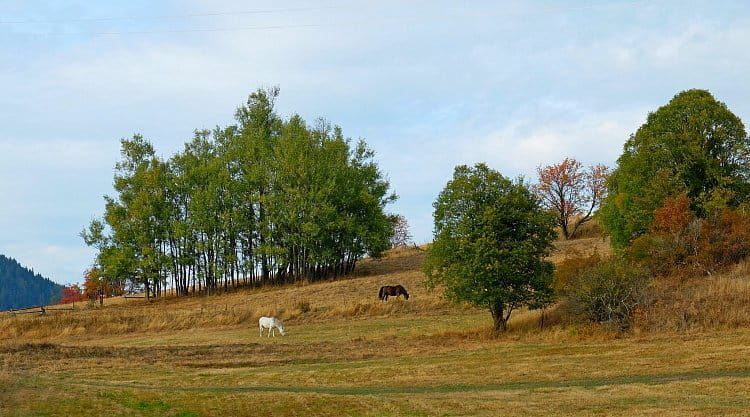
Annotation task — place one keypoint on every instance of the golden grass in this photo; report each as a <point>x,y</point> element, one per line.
<point>301,302</point>
<point>717,302</point>
<point>419,373</point>
<point>347,353</point>
<point>580,247</point>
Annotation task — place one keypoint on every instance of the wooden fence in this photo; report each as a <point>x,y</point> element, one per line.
<point>40,310</point>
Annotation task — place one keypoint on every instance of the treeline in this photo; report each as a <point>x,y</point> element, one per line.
<point>265,200</point>
<point>21,287</point>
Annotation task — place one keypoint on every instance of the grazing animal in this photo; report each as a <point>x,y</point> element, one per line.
<point>271,323</point>
<point>393,291</point>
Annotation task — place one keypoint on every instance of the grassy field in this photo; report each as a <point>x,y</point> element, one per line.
<point>346,353</point>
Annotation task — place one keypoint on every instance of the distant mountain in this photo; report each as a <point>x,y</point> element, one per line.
<point>21,287</point>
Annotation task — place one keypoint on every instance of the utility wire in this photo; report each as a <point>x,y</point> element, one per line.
<point>177,16</point>
<point>148,32</point>
<point>248,28</point>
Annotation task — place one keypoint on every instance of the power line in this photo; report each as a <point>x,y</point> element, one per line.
<point>249,28</point>
<point>176,16</point>
<point>148,32</point>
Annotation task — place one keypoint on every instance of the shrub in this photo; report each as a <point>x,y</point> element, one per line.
<point>725,242</point>
<point>609,291</point>
<point>678,240</point>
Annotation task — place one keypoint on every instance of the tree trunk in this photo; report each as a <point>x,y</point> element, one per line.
<point>499,323</point>
<point>499,320</point>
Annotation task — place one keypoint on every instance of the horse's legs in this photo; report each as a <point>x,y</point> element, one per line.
<point>261,330</point>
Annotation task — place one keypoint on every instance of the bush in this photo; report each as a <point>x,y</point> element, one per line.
<point>679,241</point>
<point>609,291</point>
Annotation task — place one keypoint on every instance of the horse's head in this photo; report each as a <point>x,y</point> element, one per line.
<point>404,292</point>
<point>282,330</point>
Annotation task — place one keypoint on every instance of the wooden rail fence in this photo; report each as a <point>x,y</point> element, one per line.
<point>40,310</point>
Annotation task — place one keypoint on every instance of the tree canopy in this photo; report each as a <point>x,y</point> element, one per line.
<point>265,200</point>
<point>490,239</point>
<point>693,145</point>
<point>571,192</point>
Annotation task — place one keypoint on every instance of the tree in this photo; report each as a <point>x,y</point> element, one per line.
<point>692,145</point>
<point>96,287</point>
<point>571,192</point>
<point>71,294</point>
<point>267,200</point>
<point>21,287</point>
<point>491,238</point>
<point>401,235</point>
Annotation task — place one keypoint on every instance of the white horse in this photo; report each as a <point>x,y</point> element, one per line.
<point>270,323</point>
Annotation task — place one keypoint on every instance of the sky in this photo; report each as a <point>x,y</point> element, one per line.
<point>428,84</point>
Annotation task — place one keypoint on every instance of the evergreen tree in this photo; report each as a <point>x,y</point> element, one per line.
<point>20,287</point>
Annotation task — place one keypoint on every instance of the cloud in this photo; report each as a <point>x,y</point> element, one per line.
<point>540,132</point>
<point>62,264</point>
<point>428,85</point>
<point>49,191</point>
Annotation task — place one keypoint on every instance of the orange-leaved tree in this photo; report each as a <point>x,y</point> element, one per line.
<point>680,240</point>
<point>571,192</point>
<point>96,287</point>
<point>71,293</point>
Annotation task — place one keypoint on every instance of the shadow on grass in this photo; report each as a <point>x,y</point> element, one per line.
<point>653,379</point>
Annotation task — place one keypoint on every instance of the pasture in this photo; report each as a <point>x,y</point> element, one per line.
<point>347,353</point>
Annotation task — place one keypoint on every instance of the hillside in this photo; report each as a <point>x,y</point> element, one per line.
<point>21,287</point>
<point>346,353</point>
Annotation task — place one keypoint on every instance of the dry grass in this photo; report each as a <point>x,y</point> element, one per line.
<point>717,302</point>
<point>580,247</point>
<point>464,373</point>
<point>347,353</point>
<point>299,303</point>
<point>294,303</point>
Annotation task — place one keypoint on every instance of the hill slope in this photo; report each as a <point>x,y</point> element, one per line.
<point>347,353</point>
<point>21,287</point>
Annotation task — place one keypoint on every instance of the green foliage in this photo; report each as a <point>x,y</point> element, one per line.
<point>692,145</point>
<point>609,291</point>
<point>265,200</point>
<point>21,287</point>
<point>491,238</point>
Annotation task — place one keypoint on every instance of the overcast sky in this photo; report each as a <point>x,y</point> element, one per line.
<point>428,84</point>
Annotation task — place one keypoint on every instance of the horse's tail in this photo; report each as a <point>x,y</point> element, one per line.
<point>380,293</point>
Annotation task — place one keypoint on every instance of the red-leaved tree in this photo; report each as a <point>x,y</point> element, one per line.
<point>71,294</point>
<point>572,192</point>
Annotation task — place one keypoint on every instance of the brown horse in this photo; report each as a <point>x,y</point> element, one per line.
<point>392,291</point>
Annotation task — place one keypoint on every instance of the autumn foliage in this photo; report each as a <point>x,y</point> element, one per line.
<point>571,192</point>
<point>96,287</point>
<point>71,294</point>
<point>680,241</point>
